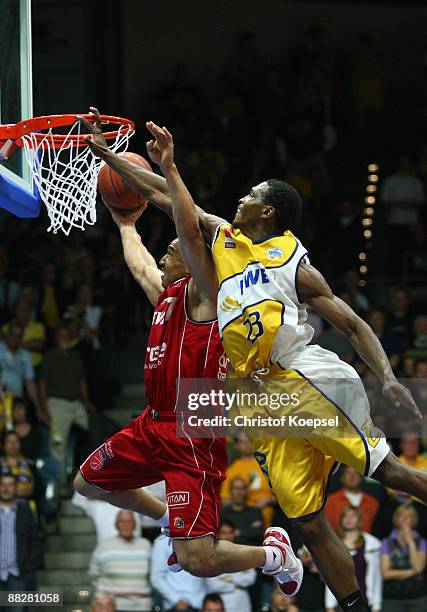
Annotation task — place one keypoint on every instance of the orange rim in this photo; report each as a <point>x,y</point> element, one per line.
<point>33,126</point>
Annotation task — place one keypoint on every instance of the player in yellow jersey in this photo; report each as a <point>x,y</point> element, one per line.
<point>265,284</point>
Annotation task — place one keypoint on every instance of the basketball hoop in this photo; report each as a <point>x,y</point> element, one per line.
<point>63,167</point>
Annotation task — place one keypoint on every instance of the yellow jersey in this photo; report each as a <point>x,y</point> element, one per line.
<point>260,316</point>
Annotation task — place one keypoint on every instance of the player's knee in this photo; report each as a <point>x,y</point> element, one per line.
<point>200,565</point>
<point>391,472</point>
<point>310,531</point>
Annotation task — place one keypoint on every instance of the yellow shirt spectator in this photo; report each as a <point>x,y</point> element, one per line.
<point>419,462</point>
<point>247,468</point>
<point>33,333</point>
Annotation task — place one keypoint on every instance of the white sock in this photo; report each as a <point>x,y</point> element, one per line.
<point>273,558</point>
<point>163,521</point>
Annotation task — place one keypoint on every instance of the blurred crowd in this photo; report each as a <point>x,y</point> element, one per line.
<point>69,308</point>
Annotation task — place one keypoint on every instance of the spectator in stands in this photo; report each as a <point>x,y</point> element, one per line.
<point>410,445</point>
<point>20,542</point>
<point>64,393</point>
<point>177,591</point>
<point>33,332</point>
<point>247,467</point>
<point>358,300</point>
<point>351,494</point>
<point>407,366</point>
<point>399,319</point>
<point>29,434</point>
<point>9,292</point>
<point>281,603</point>
<point>213,603</point>
<point>104,515</point>
<point>103,603</point>
<point>390,341</point>
<point>403,562</point>
<point>13,462</point>
<point>50,300</point>
<point>120,566</point>
<point>403,194</point>
<point>16,370</point>
<point>420,333</point>
<point>366,552</point>
<point>232,587</point>
<point>421,369</point>
<point>248,521</point>
<point>311,595</point>
<point>383,523</point>
<point>89,313</point>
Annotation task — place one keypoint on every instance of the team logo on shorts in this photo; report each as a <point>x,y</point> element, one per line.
<point>101,456</point>
<point>274,253</point>
<point>178,522</point>
<point>178,498</point>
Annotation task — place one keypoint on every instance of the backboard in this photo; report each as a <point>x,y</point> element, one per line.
<point>17,193</point>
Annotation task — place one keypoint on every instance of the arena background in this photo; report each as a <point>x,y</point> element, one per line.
<point>312,92</point>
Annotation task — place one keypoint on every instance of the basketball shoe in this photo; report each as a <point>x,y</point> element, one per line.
<point>289,573</point>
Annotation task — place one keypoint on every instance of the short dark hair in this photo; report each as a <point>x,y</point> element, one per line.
<point>227,523</point>
<point>287,202</point>
<point>213,598</point>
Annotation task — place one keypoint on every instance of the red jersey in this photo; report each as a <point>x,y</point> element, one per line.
<point>179,348</point>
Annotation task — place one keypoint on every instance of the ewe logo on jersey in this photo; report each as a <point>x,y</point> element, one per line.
<point>253,277</point>
<point>178,498</point>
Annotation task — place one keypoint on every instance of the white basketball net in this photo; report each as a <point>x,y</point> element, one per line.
<point>66,177</point>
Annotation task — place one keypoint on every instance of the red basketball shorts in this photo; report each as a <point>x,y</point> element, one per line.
<point>147,451</point>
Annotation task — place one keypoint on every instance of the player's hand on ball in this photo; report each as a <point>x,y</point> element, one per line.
<point>125,217</point>
<point>401,396</point>
<point>161,149</point>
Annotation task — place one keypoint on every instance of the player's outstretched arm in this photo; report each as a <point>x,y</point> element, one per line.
<point>315,291</point>
<point>139,260</point>
<point>150,185</point>
<point>195,253</point>
<point>153,187</point>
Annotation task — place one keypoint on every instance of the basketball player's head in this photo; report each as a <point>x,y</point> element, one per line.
<point>273,205</point>
<point>171,264</point>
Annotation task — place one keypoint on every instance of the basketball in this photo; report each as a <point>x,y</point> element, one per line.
<point>114,190</point>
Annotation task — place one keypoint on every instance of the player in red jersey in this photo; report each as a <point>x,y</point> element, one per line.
<point>183,343</point>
